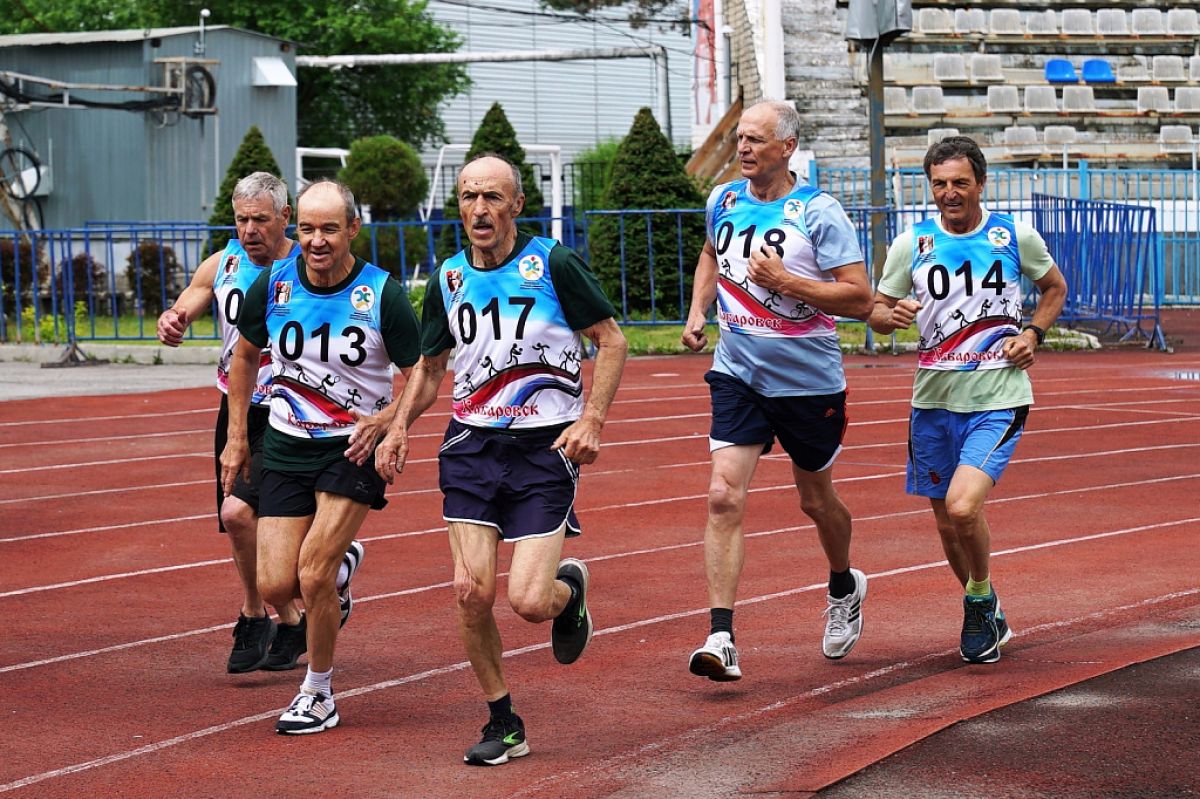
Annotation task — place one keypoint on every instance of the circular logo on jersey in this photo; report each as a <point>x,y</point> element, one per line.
<point>792,209</point>
<point>362,298</point>
<point>999,237</point>
<point>531,267</point>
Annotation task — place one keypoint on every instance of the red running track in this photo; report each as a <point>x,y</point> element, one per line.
<point>117,597</point>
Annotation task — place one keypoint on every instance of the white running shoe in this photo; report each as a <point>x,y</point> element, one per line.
<point>844,623</point>
<point>309,713</point>
<point>717,659</point>
<point>352,559</point>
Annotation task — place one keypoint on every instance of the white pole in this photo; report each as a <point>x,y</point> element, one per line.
<point>721,57</point>
<point>774,79</point>
<point>556,192</point>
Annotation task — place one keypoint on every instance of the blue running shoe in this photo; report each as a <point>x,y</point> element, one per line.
<point>984,629</point>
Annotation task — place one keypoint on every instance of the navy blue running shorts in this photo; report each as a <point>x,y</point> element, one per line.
<point>512,482</point>
<point>256,427</point>
<point>295,493</point>
<point>809,428</point>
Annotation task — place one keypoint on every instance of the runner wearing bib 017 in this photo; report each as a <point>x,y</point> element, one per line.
<point>517,360</point>
<point>969,287</point>
<point>327,353</point>
<point>235,273</point>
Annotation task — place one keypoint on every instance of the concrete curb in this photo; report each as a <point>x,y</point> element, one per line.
<point>116,353</point>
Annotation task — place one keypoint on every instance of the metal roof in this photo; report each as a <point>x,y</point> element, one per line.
<point>131,35</point>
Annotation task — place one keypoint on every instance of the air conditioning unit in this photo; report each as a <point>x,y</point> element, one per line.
<point>193,81</point>
<point>34,181</point>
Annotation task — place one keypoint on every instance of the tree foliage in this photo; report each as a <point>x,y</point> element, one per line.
<point>647,174</point>
<point>253,155</point>
<point>345,104</point>
<point>386,174</point>
<point>496,134</point>
<point>638,13</point>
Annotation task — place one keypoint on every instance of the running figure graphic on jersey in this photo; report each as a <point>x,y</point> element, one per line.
<point>541,351</point>
<point>486,363</point>
<point>960,316</point>
<point>984,308</point>
<point>352,398</point>
<point>513,360</point>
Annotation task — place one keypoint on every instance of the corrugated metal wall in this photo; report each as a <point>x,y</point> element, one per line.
<point>120,165</point>
<point>574,104</point>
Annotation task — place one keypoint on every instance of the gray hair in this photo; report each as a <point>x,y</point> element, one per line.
<point>257,184</point>
<point>787,125</point>
<point>342,189</point>
<point>516,173</point>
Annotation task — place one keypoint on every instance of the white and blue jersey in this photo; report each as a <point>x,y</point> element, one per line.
<point>776,344</point>
<point>235,273</point>
<point>517,361</point>
<point>327,352</point>
<point>969,287</point>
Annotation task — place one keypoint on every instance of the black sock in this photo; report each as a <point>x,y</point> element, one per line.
<point>841,584</point>
<point>722,621</point>
<point>501,708</point>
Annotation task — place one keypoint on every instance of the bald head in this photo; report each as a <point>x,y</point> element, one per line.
<point>489,201</point>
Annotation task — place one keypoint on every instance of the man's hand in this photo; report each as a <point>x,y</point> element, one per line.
<point>172,325</point>
<point>904,312</point>
<point>581,441</point>
<point>392,453</point>
<point>235,459</point>
<point>1019,349</point>
<point>367,430</point>
<point>693,336</point>
<point>766,269</point>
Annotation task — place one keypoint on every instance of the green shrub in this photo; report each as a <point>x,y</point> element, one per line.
<point>647,174</point>
<point>80,266</point>
<point>386,174</point>
<point>592,171</point>
<point>153,272</point>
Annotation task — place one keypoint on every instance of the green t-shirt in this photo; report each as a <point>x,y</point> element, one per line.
<point>401,336</point>
<point>583,301</point>
<point>967,391</point>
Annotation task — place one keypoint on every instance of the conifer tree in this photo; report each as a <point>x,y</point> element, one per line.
<point>495,134</point>
<point>253,155</point>
<point>647,174</point>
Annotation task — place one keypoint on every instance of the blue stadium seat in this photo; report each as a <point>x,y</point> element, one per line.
<point>1060,70</point>
<point>1097,70</point>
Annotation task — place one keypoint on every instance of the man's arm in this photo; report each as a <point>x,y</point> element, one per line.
<point>889,314</point>
<point>192,302</point>
<point>420,392</point>
<point>1053,288</point>
<point>243,374</point>
<point>704,294</point>
<point>581,441</point>
<point>848,295</point>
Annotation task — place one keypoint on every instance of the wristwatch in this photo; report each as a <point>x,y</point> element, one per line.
<point>1037,331</point>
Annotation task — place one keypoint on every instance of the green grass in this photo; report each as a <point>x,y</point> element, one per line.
<point>664,339</point>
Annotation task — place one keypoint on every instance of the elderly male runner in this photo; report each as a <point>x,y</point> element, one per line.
<point>513,308</point>
<point>261,214</point>
<point>972,393</point>
<point>335,325</point>
<point>781,260</point>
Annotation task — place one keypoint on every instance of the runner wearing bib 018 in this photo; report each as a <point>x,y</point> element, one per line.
<point>235,273</point>
<point>969,287</point>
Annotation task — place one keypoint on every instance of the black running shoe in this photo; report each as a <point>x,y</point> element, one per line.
<point>352,559</point>
<point>502,739</point>
<point>251,642</point>
<point>984,629</point>
<point>572,629</point>
<point>291,641</point>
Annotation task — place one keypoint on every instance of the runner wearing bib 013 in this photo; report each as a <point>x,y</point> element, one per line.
<point>235,273</point>
<point>327,353</point>
<point>970,289</point>
<point>517,364</point>
<point>740,224</point>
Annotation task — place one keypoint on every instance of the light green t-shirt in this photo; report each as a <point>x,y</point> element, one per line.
<point>967,391</point>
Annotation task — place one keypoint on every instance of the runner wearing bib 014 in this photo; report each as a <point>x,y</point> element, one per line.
<point>517,360</point>
<point>235,273</point>
<point>970,289</point>
<point>327,353</point>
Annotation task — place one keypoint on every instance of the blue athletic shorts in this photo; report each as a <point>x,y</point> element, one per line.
<point>511,481</point>
<point>295,493</point>
<point>939,441</point>
<point>809,428</point>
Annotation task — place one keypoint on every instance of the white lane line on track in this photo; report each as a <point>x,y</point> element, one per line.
<point>674,741</point>
<point>113,462</point>
<point>612,556</point>
<point>94,419</point>
<point>70,442</point>
<point>646,748</point>
<point>106,527</point>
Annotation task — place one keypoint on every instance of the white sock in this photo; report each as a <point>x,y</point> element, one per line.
<point>318,682</point>
<point>343,575</point>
